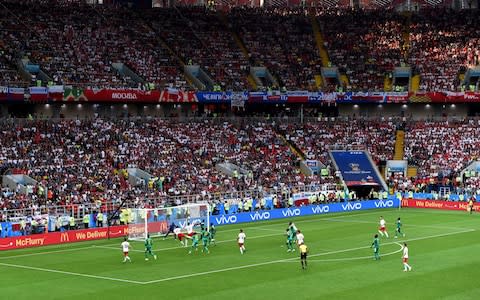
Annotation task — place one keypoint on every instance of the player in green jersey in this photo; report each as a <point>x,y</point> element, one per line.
<point>205,240</point>
<point>194,243</point>
<point>290,240</point>
<point>398,231</point>
<point>148,247</point>
<point>293,229</point>
<point>376,247</point>
<point>213,231</point>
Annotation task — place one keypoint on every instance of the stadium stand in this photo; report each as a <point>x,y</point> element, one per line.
<point>78,43</point>
<point>444,43</point>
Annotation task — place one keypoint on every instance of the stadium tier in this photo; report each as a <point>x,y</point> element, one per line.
<point>93,161</point>
<point>244,48</point>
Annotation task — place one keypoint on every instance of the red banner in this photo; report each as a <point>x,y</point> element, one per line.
<point>132,95</point>
<point>81,235</point>
<point>106,95</point>
<point>437,204</point>
<point>38,94</point>
<point>52,238</point>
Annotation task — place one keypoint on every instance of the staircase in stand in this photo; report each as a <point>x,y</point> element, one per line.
<point>399,145</point>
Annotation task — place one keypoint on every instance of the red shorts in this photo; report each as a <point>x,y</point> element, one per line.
<point>405,259</point>
<point>240,244</point>
<point>180,236</point>
<point>382,229</point>
<point>191,234</point>
<point>125,253</point>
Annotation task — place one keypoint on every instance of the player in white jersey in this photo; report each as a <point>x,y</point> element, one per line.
<point>241,241</point>
<point>125,248</point>
<point>189,229</point>
<point>406,266</point>
<point>180,236</point>
<point>383,227</point>
<point>300,238</point>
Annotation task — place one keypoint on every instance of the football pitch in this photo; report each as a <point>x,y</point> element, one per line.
<point>444,253</point>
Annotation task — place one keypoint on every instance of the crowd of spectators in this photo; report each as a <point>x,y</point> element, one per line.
<point>442,147</point>
<point>76,44</point>
<point>366,45</point>
<point>316,139</point>
<point>85,161</point>
<point>199,37</point>
<point>444,43</point>
<point>282,40</point>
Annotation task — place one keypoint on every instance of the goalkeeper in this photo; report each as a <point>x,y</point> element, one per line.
<point>213,231</point>
<point>148,247</point>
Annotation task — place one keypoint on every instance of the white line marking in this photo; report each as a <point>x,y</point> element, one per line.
<point>69,273</point>
<point>276,222</point>
<point>409,224</point>
<point>352,258</point>
<point>46,252</point>
<point>214,271</point>
<point>288,259</point>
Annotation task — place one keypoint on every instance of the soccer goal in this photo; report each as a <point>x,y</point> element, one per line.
<point>156,221</point>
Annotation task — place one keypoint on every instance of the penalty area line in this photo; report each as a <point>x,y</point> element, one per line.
<point>294,258</point>
<point>352,258</point>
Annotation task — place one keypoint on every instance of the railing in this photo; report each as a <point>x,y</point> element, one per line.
<point>79,210</point>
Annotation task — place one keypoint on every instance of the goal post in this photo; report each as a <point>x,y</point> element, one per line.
<point>156,221</point>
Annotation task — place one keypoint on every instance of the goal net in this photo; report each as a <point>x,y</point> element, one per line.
<point>156,221</point>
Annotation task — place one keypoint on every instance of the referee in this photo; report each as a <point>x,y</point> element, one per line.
<point>303,255</point>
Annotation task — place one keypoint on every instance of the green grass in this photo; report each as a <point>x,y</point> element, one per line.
<point>444,252</point>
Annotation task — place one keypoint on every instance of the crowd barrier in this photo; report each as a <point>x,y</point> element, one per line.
<point>72,236</point>
<point>263,215</point>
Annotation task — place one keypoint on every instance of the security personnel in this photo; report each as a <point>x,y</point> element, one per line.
<point>470,205</point>
<point>23,227</point>
<point>72,223</point>
<point>240,206</point>
<point>385,195</point>
<point>34,226</point>
<point>122,217</point>
<point>86,220</point>
<point>100,219</point>
<point>226,206</point>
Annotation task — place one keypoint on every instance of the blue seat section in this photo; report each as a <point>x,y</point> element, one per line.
<point>356,168</point>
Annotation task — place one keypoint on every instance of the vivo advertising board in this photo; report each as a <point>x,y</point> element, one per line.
<point>280,213</point>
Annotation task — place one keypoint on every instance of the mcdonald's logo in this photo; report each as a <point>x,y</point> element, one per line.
<point>64,237</point>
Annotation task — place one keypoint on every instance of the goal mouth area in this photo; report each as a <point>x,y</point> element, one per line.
<point>157,222</point>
